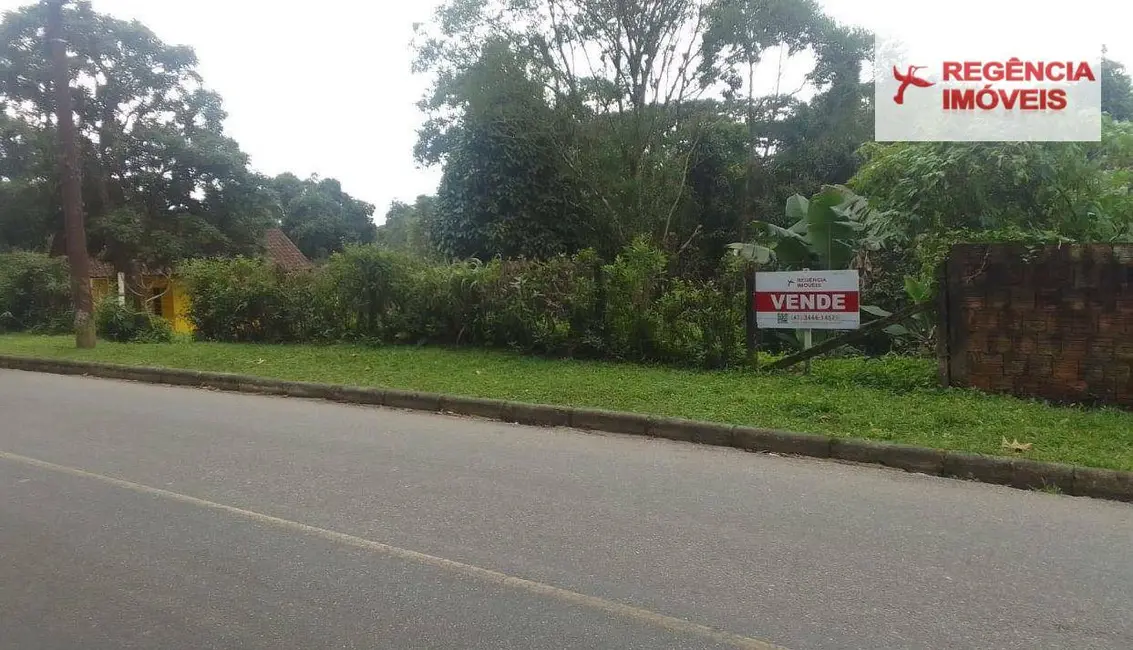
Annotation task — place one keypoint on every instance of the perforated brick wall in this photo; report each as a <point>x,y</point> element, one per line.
<point>1055,323</point>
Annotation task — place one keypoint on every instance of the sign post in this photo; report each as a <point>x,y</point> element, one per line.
<point>807,300</point>
<point>808,343</point>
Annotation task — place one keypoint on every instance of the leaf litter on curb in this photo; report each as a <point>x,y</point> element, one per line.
<point>1015,445</point>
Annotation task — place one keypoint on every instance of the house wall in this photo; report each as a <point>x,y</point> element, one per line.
<point>174,302</point>
<point>101,288</point>
<point>179,308</point>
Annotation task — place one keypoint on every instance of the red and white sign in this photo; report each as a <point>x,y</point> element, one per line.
<point>807,300</point>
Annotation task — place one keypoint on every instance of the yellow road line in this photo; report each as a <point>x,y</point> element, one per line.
<point>648,617</point>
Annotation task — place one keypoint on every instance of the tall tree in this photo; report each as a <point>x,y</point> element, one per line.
<point>69,174</point>
<point>738,35</point>
<point>619,70</point>
<point>1117,90</point>
<point>408,227</point>
<point>623,82</point>
<point>741,36</point>
<point>29,197</point>
<point>505,188</point>
<point>161,180</point>
<point>319,216</point>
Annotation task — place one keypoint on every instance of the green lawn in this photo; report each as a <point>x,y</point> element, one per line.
<point>888,399</point>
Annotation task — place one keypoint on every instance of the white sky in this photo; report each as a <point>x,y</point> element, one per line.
<point>286,70</point>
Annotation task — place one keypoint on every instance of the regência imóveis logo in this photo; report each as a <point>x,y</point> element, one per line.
<point>1008,85</point>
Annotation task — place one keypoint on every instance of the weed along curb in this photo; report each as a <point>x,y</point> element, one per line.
<point>1014,472</point>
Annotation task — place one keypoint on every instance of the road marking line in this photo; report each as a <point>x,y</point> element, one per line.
<point>670,623</point>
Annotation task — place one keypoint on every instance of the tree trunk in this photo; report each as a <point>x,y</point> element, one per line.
<point>69,176</point>
<point>747,217</point>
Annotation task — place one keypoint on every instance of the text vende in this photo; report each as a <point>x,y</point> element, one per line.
<point>808,301</point>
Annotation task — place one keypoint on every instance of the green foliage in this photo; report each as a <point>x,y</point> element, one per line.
<point>526,305</point>
<point>367,288</point>
<point>1078,190</point>
<point>1117,90</point>
<point>408,228</point>
<point>27,204</point>
<point>444,304</point>
<point>831,230</point>
<point>633,284</point>
<point>935,195</point>
<point>319,216</point>
<point>505,189</point>
<point>547,153</point>
<point>161,180</point>
<point>127,324</point>
<point>250,300</point>
<point>899,374</point>
<point>701,323</point>
<point>563,306</point>
<point>35,293</point>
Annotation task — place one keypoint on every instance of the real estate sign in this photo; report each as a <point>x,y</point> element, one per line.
<point>821,300</point>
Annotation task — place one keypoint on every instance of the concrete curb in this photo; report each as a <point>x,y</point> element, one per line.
<point>1014,472</point>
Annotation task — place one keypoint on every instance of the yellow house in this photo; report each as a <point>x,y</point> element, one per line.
<point>166,295</point>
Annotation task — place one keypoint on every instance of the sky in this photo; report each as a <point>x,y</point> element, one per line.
<point>325,87</point>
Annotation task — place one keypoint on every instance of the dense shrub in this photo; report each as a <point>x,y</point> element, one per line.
<point>542,307</point>
<point>35,293</point>
<point>127,324</point>
<point>444,304</point>
<point>250,300</point>
<point>367,289</point>
<point>700,323</point>
<point>564,306</point>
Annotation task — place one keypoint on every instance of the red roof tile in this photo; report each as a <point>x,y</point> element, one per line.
<point>284,252</point>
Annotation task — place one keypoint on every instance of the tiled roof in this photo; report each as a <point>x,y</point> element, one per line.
<point>284,252</point>
<point>278,247</point>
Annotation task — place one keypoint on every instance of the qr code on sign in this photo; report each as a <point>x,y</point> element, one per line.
<point>782,318</point>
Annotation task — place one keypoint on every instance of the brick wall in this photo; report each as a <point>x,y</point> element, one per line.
<point>1055,323</point>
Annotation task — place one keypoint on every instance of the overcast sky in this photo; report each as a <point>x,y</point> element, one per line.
<point>287,70</point>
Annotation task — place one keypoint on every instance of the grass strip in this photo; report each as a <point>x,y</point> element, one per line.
<point>890,399</point>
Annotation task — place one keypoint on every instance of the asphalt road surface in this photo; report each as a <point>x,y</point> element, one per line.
<point>137,516</point>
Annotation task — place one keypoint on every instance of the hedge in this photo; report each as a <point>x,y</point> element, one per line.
<point>630,309</point>
<point>566,306</point>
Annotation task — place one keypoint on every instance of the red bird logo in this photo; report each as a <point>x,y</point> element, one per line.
<point>910,78</point>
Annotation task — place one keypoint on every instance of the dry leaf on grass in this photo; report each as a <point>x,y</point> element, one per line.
<point>1015,445</point>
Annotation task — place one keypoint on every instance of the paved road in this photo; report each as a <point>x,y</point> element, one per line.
<point>137,516</point>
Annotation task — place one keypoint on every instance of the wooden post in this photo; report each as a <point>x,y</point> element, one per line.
<point>75,232</point>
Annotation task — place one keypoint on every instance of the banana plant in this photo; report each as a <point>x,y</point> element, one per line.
<point>919,329</point>
<point>831,230</point>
